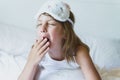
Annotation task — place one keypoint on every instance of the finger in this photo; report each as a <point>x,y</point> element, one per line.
<point>37,42</point>
<point>43,53</point>
<point>34,43</point>
<point>32,46</point>
<point>40,57</point>
<point>41,44</point>
<point>42,49</point>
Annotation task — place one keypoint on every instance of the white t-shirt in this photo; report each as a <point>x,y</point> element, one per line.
<point>50,65</point>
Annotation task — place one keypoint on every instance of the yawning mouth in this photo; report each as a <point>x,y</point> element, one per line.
<point>47,39</point>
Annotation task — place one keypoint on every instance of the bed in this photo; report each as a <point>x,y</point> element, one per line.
<point>15,43</point>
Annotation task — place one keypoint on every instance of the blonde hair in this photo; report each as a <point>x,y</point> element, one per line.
<point>72,41</point>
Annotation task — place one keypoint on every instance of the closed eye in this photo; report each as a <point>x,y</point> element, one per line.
<point>52,24</point>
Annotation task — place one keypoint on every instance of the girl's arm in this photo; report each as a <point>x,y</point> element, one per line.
<point>37,52</point>
<point>84,60</point>
<point>28,72</point>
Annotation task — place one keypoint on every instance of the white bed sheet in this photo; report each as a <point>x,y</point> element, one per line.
<point>10,66</point>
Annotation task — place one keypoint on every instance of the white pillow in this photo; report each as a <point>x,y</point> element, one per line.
<point>15,40</point>
<point>104,52</point>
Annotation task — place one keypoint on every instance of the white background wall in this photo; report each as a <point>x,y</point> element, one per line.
<point>93,17</point>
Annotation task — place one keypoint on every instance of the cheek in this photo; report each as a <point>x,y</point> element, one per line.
<point>55,34</point>
<point>52,33</point>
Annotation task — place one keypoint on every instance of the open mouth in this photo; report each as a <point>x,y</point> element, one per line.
<point>47,39</point>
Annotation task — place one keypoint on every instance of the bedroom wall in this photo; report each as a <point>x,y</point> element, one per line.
<point>93,17</point>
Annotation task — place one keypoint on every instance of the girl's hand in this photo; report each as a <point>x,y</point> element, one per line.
<point>39,49</point>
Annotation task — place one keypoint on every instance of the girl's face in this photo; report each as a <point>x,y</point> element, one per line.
<point>52,30</point>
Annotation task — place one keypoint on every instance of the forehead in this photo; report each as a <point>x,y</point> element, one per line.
<point>45,17</point>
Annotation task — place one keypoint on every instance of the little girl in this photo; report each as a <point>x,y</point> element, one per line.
<point>57,46</point>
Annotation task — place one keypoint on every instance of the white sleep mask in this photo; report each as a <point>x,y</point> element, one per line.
<point>57,9</point>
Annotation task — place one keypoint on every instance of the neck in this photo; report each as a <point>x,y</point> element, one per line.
<point>57,55</point>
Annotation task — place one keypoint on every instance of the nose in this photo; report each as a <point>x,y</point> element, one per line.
<point>43,29</point>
